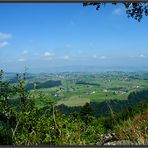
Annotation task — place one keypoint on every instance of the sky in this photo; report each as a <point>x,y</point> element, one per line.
<point>44,35</point>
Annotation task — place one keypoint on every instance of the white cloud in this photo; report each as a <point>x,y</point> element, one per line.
<point>3,44</point>
<point>103,57</point>
<point>48,55</point>
<point>66,57</point>
<point>5,35</point>
<point>117,11</point>
<point>138,56</point>
<point>25,52</point>
<point>141,56</point>
<point>20,60</point>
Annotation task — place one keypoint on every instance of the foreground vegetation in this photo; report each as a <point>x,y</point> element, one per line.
<point>23,122</point>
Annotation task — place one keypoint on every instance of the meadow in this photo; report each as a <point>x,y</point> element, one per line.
<point>78,88</point>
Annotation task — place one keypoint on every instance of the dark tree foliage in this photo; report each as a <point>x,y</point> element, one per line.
<point>99,109</point>
<point>86,113</point>
<point>86,110</point>
<point>86,83</point>
<point>137,96</point>
<point>133,9</point>
<point>47,84</point>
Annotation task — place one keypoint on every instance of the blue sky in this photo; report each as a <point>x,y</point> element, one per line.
<point>39,35</point>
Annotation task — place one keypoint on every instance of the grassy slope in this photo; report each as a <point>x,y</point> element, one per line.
<point>135,127</point>
<point>72,94</point>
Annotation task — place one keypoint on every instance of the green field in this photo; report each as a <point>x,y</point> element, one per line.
<point>92,87</point>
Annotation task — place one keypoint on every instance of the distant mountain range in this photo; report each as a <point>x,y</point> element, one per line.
<point>85,68</point>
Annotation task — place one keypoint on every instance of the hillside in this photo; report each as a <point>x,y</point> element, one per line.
<point>26,122</point>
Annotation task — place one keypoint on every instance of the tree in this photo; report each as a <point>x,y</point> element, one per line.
<point>86,113</point>
<point>133,9</point>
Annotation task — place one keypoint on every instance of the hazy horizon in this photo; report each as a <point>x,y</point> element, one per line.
<point>80,68</point>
